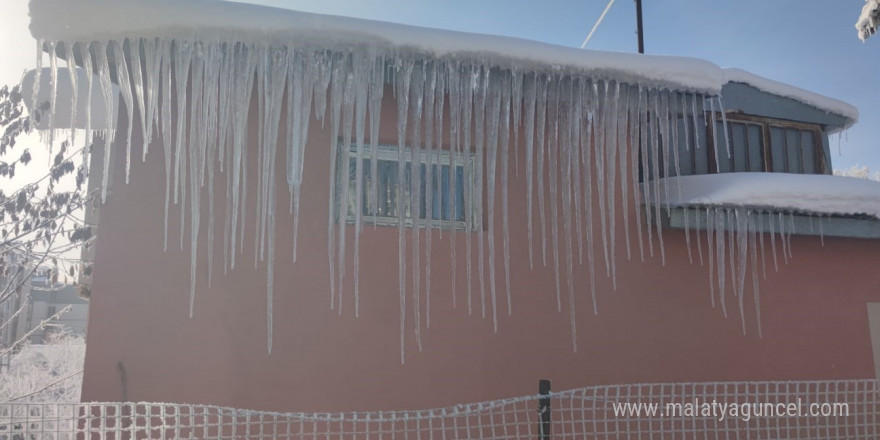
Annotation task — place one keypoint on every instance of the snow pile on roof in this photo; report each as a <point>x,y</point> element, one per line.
<point>804,193</point>
<point>65,20</point>
<point>869,19</point>
<point>829,105</point>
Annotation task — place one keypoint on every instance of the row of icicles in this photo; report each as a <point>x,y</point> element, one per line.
<point>577,137</point>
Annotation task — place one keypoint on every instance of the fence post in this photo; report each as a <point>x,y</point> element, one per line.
<point>544,409</point>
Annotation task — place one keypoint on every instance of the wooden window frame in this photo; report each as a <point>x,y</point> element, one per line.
<point>766,124</point>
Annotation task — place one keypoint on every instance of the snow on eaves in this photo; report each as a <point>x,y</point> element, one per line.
<point>869,19</point>
<point>801,193</point>
<point>78,20</point>
<point>824,103</point>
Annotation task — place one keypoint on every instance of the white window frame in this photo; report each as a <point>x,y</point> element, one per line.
<point>389,153</point>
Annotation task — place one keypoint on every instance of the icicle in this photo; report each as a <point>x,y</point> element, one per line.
<point>531,92</point>
<point>430,122</point>
<point>566,156</point>
<point>742,249</point>
<point>301,77</point>
<point>782,237</point>
<point>760,220</point>
<point>710,247</point>
<point>467,102</point>
<point>624,159</point>
<point>575,97</point>
<point>439,101</point>
<point>720,259</point>
<point>348,104</point>
<point>481,80</point>
<point>756,292</point>
<point>773,240</point>
<point>586,145</point>
<point>648,186</point>
<point>152,66</point>
<point>655,155</point>
<point>107,92</point>
<point>86,58</point>
<point>140,86</point>
<point>553,152</point>
<point>611,142</point>
<point>361,81</point>
<point>687,234</point>
<point>74,89</point>
<point>165,80</point>
<point>183,57</point>
<point>274,74</point>
<point>377,90</point>
<point>209,142</point>
<point>699,243</point>
<point>541,123</point>
<point>635,126</point>
<point>601,104</point>
<point>516,102</point>
<point>454,91</point>
<point>403,74</point>
<point>195,160</point>
<point>492,122</point>
<point>124,83</point>
<point>714,129</point>
<point>245,64</point>
<point>505,165</point>
<point>335,207</point>
<point>417,89</point>
<point>724,124</point>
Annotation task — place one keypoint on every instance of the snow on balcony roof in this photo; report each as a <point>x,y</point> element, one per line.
<point>65,20</point>
<point>827,104</point>
<point>802,193</point>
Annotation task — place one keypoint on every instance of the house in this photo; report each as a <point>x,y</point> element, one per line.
<point>566,239</point>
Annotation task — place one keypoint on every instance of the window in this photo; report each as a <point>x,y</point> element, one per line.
<point>793,147</point>
<point>447,192</point>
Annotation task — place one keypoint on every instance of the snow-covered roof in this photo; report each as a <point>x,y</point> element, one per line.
<point>66,20</point>
<point>803,193</point>
<point>829,105</point>
<point>869,19</point>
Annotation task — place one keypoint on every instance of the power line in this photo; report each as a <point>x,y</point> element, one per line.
<point>596,26</point>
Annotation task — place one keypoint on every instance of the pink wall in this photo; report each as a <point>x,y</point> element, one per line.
<point>658,325</point>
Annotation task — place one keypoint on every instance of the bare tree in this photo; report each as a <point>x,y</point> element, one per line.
<point>42,232</point>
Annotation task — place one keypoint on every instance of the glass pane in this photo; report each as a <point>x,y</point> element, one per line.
<point>756,148</point>
<point>446,192</point>
<point>738,146</point>
<point>723,160</point>
<point>685,149</point>
<point>777,149</point>
<point>793,150</point>
<point>808,152</point>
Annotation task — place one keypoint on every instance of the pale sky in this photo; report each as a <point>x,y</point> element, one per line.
<point>811,44</point>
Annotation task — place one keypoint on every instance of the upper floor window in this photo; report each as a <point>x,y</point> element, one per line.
<point>761,144</point>
<point>447,191</point>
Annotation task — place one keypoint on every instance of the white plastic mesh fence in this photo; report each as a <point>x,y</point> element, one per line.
<point>764,410</point>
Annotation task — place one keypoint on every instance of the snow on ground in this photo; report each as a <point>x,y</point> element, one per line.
<point>829,105</point>
<point>869,19</point>
<point>805,193</point>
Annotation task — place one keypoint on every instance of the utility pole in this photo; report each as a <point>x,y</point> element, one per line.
<point>639,26</point>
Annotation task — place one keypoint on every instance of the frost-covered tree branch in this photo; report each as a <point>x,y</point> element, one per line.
<point>869,19</point>
<point>41,232</point>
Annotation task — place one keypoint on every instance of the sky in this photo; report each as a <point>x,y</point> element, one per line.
<point>810,44</point>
